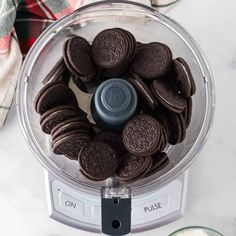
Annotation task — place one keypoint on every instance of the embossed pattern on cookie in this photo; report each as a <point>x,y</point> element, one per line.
<point>152,61</point>
<point>109,48</point>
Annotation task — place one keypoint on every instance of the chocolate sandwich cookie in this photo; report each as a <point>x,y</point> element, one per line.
<point>152,61</point>
<point>132,167</point>
<point>184,77</point>
<point>73,124</point>
<point>70,145</point>
<point>92,86</point>
<point>187,113</point>
<point>161,144</point>
<point>76,118</point>
<point>57,108</point>
<point>177,127</point>
<point>148,169</point>
<point>113,139</point>
<point>160,115</point>
<point>144,174</point>
<point>54,94</point>
<point>66,60</point>
<point>143,91</point>
<point>132,46</point>
<point>164,139</point>
<point>79,59</point>
<point>63,135</point>
<point>168,96</point>
<point>115,72</point>
<point>110,48</point>
<point>65,77</point>
<point>98,160</point>
<point>57,72</point>
<point>76,54</point>
<point>159,162</point>
<point>142,135</point>
<point>88,177</point>
<point>54,118</point>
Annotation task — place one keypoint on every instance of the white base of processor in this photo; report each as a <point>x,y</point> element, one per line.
<point>74,208</point>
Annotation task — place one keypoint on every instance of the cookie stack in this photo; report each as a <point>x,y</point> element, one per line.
<point>134,167</point>
<point>164,86</point>
<point>77,57</point>
<point>113,50</point>
<point>63,119</point>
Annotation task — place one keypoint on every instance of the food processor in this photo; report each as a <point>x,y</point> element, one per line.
<point>107,206</point>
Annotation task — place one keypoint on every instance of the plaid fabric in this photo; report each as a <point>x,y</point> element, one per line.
<point>21,22</point>
<point>30,18</point>
<point>34,16</point>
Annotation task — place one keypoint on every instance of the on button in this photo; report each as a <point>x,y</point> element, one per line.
<point>71,205</point>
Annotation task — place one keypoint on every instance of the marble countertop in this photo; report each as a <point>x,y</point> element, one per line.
<point>212,180</point>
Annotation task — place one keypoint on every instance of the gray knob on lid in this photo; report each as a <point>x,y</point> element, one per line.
<point>115,101</point>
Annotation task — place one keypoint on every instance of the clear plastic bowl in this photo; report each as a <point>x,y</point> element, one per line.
<point>147,25</point>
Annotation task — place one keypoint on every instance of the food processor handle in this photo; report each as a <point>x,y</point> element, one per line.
<point>116,214</point>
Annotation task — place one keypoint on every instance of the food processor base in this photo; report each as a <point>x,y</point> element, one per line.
<point>77,209</point>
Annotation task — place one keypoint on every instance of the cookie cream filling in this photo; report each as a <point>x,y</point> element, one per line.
<point>185,71</point>
<point>146,93</point>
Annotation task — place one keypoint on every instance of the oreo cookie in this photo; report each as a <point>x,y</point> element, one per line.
<point>144,92</point>
<point>164,139</point>
<point>184,77</point>
<point>98,160</point>
<point>168,96</point>
<point>132,46</point>
<point>54,94</point>
<point>55,116</point>
<point>159,162</point>
<point>77,57</point>
<point>177,127</point>
<point>112,49</point>
<point>74,124</point>
<point>70,145</point>
<point>57,73</point>
<point>161,116</point>
<point>132,167</point>
<point>91,178</point>
<point>115,72</point>
<point>142,135</point>
<point>63,135</point>
<point>152,61</point>
<point>57,108</point>
<point>113,139</point>
<point>92,86</point>
<point>109,48</point>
